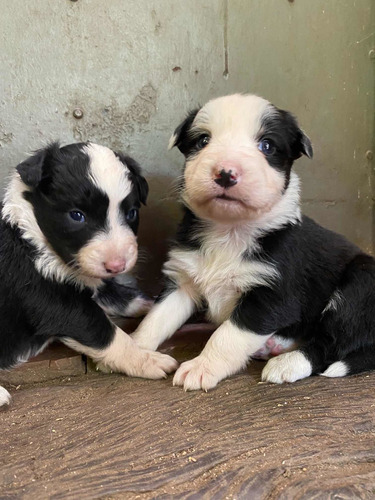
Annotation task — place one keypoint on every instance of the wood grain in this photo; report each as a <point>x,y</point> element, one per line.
<point>108,436</point>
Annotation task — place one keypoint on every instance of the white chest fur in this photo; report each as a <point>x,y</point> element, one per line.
<point>218,274</point>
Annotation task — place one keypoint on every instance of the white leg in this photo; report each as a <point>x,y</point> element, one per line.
<point>164,319</point>
<point>287,367</point>
<point>124,356</point>
<point>226,353</point>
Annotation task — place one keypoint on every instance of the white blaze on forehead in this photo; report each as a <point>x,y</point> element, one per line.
<point>233,115</point>
<point>108,173</point>
<point>116,240</point>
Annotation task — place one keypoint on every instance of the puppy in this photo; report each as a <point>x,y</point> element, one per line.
<point>266,275</point>
<point>68,226</point>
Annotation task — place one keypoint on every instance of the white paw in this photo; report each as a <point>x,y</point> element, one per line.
<point>5,397</point>
<point>198,373</point>
<point>337,369</point>
<point>144,364</point>
<point>156,365</point>
<point>287,367</point>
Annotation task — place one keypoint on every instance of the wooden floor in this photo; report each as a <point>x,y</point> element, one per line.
<point>112,437</point>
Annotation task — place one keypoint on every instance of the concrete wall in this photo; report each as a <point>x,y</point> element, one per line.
<point>135,67</point>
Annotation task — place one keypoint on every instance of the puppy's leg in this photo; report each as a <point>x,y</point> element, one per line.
<point>310,357</point>
<point>165,318</point>
<point>121,354</point>
<point>226,353</point>
<point>257,316</point>
<point>86,328</point>
<point>342,340</point>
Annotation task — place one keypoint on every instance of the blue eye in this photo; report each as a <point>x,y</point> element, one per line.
<point>132,215</point>
<point>203,141</point>
<point>77,216</point>
<point>267,147</point>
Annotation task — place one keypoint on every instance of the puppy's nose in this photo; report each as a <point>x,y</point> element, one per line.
<point>226,178</point>
<point>115,266</point>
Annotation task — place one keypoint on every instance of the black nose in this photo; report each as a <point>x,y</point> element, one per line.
<point>226,179</point>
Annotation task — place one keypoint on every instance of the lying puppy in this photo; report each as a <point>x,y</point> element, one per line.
<point>68,225</point>
<point>245,252</point>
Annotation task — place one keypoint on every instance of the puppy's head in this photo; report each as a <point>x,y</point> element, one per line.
<point>85,199</point>
<point>239,151</point>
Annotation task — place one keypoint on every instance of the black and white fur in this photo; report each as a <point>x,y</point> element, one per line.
<point>266,275</point>
<point>67,232</point>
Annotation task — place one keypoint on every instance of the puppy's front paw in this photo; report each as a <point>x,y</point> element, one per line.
<point>287,367</point>
<point>155,365</point>
<point>198,373</point>
<point>142,363</point>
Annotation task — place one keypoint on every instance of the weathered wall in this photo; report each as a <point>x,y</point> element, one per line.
<point>135,67</point>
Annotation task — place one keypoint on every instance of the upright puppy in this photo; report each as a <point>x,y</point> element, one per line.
<point>245,253</point>
<point>68,226</point>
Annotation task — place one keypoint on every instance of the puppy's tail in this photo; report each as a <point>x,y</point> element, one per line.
<point>358,361</point>
<point>5,397</point>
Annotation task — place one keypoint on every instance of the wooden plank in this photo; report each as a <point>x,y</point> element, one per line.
<point>109,436</point>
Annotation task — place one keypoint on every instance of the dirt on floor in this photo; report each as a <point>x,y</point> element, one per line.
<point>112,437</point>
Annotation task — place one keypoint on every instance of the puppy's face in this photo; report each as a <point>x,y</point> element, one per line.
<point>86,199</point>
<point>239,150</point>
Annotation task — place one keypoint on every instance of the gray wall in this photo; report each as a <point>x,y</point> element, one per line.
<point>135,67</point>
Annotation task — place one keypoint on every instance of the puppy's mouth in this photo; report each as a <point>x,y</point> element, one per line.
<point>224,196</point>
<point>225,201</point>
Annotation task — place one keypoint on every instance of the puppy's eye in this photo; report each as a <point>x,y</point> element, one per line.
<point>203,141</point>
<point>267,147</point>
<point>77,216</point>
<point>131,215</point>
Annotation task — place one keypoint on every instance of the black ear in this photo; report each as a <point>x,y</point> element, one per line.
<point>180,133</point>
<point>136,177</point>
<point>142,187</point>
<point>305,145</point>
<point>32,170</point>
<point>298,141</point>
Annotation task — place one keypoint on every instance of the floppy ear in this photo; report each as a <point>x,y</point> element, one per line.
<point>305,145</point>
<point>299,143</point>
<point>181,131</point>
<point>136,177</point>
<point>31,170</point>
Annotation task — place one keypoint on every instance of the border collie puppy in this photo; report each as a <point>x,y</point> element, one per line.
<point>68,226</point>
<point>267,276</point>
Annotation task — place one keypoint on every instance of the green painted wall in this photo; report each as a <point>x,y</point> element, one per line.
<point>135,67</point>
